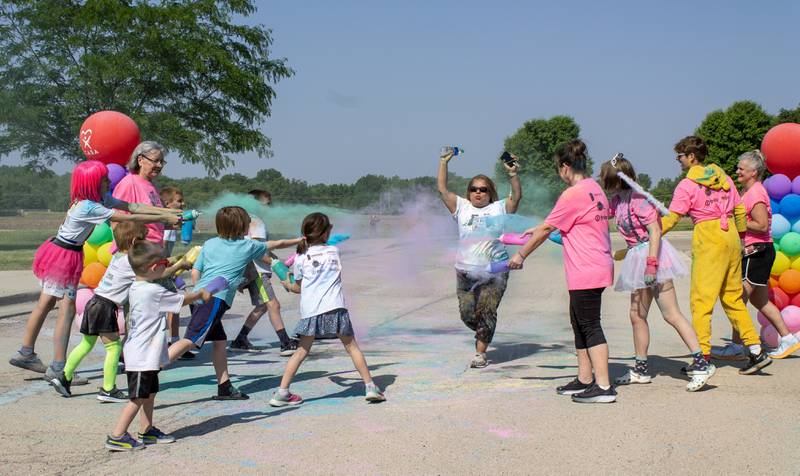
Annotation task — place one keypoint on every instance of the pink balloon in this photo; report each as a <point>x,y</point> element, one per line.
<point>791,316</point>
<point>762,319</point>
<point>770,336</point>
<point>83,296</point>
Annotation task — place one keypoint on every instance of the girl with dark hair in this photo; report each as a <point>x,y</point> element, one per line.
<point>581,214</point>
<point>479,292</point>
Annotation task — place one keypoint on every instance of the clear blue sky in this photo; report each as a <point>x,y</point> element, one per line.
<point>380,86</point>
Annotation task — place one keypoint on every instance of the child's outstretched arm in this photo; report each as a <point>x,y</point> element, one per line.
<point>277,244</point>
<point>190,297</point>
<point>180,265</point>
<point>291,287</point>
<point>167,219</point>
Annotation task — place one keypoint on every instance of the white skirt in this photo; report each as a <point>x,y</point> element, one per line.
<point>670,266</point>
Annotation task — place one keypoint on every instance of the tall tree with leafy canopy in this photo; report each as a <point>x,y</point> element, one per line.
<point>535,143</point>
<point>788,115</point>
<point>189,75</point>
<point>733,131</point>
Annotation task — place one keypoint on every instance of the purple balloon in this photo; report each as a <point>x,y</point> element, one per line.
<point>796,185</point>
<point>778,186</point>
<point>115,173</point>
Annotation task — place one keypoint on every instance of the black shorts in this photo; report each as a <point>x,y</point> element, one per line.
<point>584,315</point>
<point>206,322</point>
<point>99,317</point>
<point>757,266</point>
<point>142,384</point>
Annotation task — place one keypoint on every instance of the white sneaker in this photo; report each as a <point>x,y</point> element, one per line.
<point>700,378</point>
<point>479,361</point>
<point>786,347</point>
<point>632,377</point>
<point>732,351</point>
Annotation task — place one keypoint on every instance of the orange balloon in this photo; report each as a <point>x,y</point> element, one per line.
<point>93,273</point>
<point>789,281</point>
<point>772,282</point>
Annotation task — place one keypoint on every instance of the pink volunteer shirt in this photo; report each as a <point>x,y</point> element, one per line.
<point>582,213</point>
<point>703,204</point>
<point>135,189</point>
<point>633,213</point>
<point>757,194</point>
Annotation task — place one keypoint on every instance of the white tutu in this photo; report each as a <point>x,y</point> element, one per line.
<point>631,276</point>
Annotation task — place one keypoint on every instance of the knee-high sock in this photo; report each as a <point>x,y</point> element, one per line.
<point>77,354</point>
<point>113,350</point>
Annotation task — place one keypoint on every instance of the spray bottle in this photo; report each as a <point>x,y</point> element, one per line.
<point>188,217</point>
<point>280,269</point>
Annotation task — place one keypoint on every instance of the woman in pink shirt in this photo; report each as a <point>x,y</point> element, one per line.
<point>145,164</point>
<point>759,252</point>
<point>651,264</point>
<point>581,214</point>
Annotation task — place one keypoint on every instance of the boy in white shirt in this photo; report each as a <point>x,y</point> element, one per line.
<point>146,346</point>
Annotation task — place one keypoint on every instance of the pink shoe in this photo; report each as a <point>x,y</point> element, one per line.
<point>281,401</point>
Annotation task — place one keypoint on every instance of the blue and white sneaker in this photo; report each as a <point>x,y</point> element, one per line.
<point>123,443</point>
<point>154,435</point>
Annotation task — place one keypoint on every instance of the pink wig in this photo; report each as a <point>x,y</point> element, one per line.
<point>86,180</point>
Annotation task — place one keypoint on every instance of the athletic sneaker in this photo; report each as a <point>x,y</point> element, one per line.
<point>188,355</point>
<point>50,374</point>
<point>232,394</point>
<point>290,347</point>
<point>281,401</point>
<point>700,376</point>
<point>479,361</point>
<point>61,384</point>
<point>115,395</point>
<point>787,347</point>
<point>755,363</point>
<point>28,362</point>
<point>595,394</point>
<point>731,351</point>
<point>123,443</point>
<point>374,395</point>
<point>154,435</point>
<point>576,386</point>
<point>632,377</point>
<point>242,345</point>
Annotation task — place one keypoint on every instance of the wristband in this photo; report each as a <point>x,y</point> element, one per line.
<point>652,261</point>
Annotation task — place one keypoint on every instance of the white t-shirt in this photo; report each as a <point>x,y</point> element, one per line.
<point>258,231</point>
<point>479,243</point>
<point>170,235</point>
<point>146,345</point>
<point>319,271</point>
<point>117,279</point>
<point>81,218</point>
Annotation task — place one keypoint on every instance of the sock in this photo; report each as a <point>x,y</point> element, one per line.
<point>283,336</point>
<point>371,386</point>
<point>640,365</point>
<point>76,356</point>
<point>224,388</point>
<point>699,361</point>
<point>25,350</point>
<point>57,365</point>
<point>755,349</point>
<point>283,392</point>
<point>244,332</point>
<point>113,349</point>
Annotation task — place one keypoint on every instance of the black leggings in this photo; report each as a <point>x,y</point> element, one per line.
<point>584,315</point>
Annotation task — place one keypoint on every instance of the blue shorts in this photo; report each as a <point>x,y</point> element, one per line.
<point>206,322</point>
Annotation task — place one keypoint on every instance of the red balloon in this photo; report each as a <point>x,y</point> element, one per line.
<point>795,301</point>
<point>109,136</point>
<point>781,147</point>
<point>778,297</point>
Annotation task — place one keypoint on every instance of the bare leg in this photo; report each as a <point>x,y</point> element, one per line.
<point>296,359</point>
<point>66,313</point>
<point>177,349</point>
<point>759,297</point>
<point>274,310</point>
<point>37,317</point>
<point>667,302</point>
<point>359,361</point>
<point>146,415</point>
<point>127,416</point>
<point>598,357</point>
<point>255,315</point>
<point>481,346</point>
<point>219,356</point>
<point>584,366</point>
<point>174,324</point>
<point>640,307</point>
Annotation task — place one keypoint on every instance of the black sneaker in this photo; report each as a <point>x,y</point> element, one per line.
<point>115,395</point>
<point>576,386</point>
<point>232,394</point>
<point>595,394</point>
<point>188,355</point>
<point>242,345</point>
<point>61,384</point>
<point>755,363</point>
<point>289,348</point>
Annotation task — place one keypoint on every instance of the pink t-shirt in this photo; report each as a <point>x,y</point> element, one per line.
<point>633,213</point>
<point>757,194</point>
<point>135,189</point>
<point>703,204</point>
<point>582,214</point>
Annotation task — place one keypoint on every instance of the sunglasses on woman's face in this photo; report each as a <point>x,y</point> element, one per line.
<point>479,189</point>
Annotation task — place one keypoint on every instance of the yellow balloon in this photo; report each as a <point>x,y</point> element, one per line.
<point>796,263</point>
<point>781,264</point>
<point>104,253</point>
<point>89,254</point>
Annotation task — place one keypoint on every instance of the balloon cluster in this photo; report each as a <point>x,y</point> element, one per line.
<point>96,257</point>
<point>781,147</point>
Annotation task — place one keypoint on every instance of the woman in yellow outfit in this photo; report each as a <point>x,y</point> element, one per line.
<point>710,198</point>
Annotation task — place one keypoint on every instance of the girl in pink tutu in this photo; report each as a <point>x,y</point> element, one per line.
<point>58,262</point>
<point>651,264</point>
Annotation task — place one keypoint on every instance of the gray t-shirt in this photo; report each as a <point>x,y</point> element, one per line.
<point>81,218</point>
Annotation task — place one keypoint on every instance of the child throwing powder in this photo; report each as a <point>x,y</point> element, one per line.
<point>318,275</point>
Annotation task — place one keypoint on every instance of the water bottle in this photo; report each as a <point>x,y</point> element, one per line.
<point>281,270</point>
<point>187,227</point>
<point>452,149</point>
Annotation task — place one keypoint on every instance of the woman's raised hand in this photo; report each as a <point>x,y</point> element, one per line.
<point>446,156</point>
<point>513,168</point>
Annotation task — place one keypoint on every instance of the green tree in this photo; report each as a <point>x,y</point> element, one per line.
<point>535,143</point>
<point>664,189</point>
<point>187,73</point>
<point>734,131</point>
<point>644,180</point>
<point>788,115</point>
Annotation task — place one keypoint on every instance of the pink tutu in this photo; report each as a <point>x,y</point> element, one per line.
<point>57,265</point>
<point>670,266</point>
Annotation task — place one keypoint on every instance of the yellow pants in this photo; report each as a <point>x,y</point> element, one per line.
<point>717,273</point>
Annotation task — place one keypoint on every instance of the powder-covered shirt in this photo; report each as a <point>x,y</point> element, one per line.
<point>633,213</point>
<point>81,218</point>
<point>479,244</point>
<point>702,203</point>
<point>117,279</point>
<point>134,189</point>
<point>146,345</point>
<point>319,271</point>
<point>757,194</point>
<point>227,258</point>
<point>581,214</point>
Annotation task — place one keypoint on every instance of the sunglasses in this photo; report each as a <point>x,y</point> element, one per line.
<point>160,162</point>
<point>479,189</point>
<point>678,157</point>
